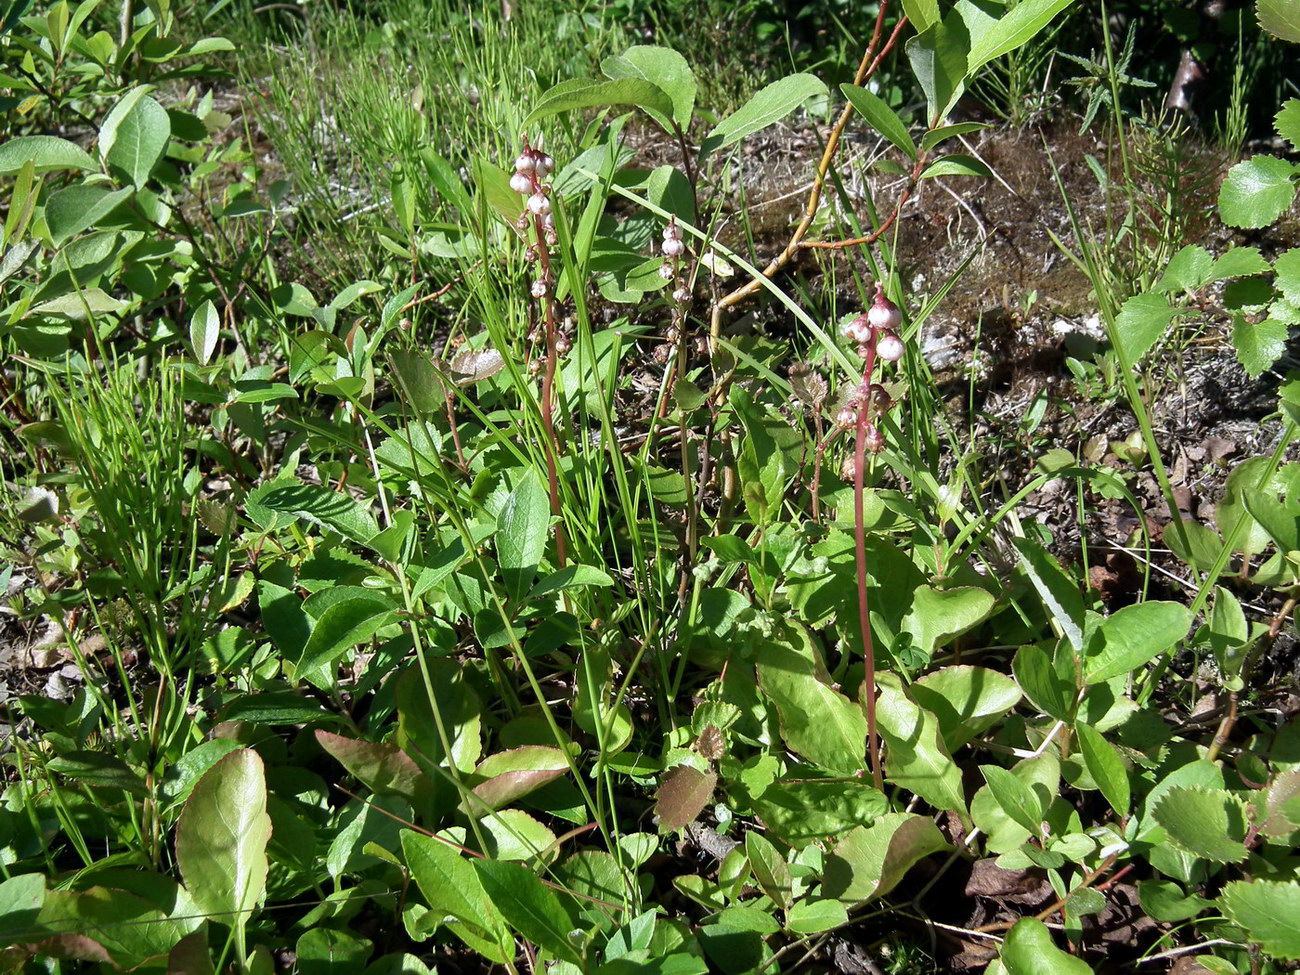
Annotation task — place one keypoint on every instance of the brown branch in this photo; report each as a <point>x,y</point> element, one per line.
<point>866,68</point>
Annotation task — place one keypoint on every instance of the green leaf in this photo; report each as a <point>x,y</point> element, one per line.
<point>881,117</point>
<point>1288,274</point>
<point>1133,636</point>
<point>967,700</point>
<point>134,136</point>
<point>47,152</point>
<point>221,840</point>
<point>805,812</point>
<point>1281,18</point>
<point>1014,29</point>
<point>1166,901</point>
<point>938,57</point>
<point>1256,192</point>
<point>1287,121</point>
<point>934,136</point>
<point>1187,270</point>
<point>21,898</point>
<point>99,770</point>
<point>583,93</point>
<point>1044,687</point>
<point>664,68</point>
<point>812,917</point>
<point>917,758</point>
<point>571,577</point>
<point>340,627</point>
<point>1275,505</point>
<point>205,328</point>
<point>315,503</point>
<point>768,105</point>
<point>452,887</point>
<point>869,862</point>
<point>817,722</point>
<point>770,869</point>
<point>1269,912</point>
<point>1206,823</point>
<point>1237,262</point>
<point>460,710</point>
<point>529,907</point>
<point>936,616</point>
<point>1141,323</point>
<point>956,164</point>
<point>1017,800</point>
<point>1058,591</point>
<point>1028,950</point>
<point>922,13</point>
<point>1106,768</point>
<point>1258,345</point>
<point>323,951</point>
<point>523,527</point>
<point>70,211</point>
<point>1042,776</point>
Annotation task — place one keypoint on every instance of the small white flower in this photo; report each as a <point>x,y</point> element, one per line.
<point>672,247</point>
<point>890,347</point>
<point>521,184</point>
<point>539,204</point>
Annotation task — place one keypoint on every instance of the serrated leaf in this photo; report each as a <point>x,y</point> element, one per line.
<point>768,105</point>
<point>1281,815</point>
<point>1205,823</point>
<point>1287,281</point>
<point>1187,270</point>
<point>221,840</point>
<point>881,117</point>
<point>1281,18</point>
<point>333,510</point>
<point>1258,345</point>
<point>1269,912</point>
<point>1239,262</point>
<point>1287,122</point>
<point>1256,192</point>
<point>1140,324</point>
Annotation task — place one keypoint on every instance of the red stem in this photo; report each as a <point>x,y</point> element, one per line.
<point>860,536</point>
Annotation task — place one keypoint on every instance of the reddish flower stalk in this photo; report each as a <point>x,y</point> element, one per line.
<point>531,169</point>
<point>874,333</point>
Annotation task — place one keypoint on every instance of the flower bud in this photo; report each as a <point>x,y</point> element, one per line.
<point>857,331</point>
<point>672,247</point>
<point>889,347</point>
<point>539,204</point>
<point>562,344</point>
<point>534,367</point>
<point>525,162</point>
<point>847,416</point>
<point>883,313</point>
<point>873,439</point>
<point>671,232</point>
<point>521,184</point>
<point>539,288</point>
<point>544,166</point>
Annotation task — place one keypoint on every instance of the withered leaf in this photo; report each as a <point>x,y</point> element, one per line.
<point>683,794</point>
<point>476,365</point>
<point>808,385</point>
<point>710,743</point>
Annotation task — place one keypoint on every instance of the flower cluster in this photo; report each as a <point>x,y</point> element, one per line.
<point>875,332</point>
<point>531,169</point>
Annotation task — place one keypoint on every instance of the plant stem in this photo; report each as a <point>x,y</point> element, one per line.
<point>548,396</point>
<point>860,537</point>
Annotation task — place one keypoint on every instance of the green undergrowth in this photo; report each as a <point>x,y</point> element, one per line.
<point>439,568</point>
